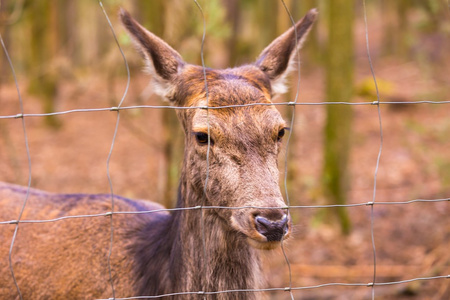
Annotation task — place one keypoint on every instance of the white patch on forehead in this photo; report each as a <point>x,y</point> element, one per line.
<point>201,118</point>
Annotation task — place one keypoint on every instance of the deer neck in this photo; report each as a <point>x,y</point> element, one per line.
<point>194,250</point>
<point>214,256</point>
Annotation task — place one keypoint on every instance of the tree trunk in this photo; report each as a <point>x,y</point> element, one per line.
<point>43,82</point>
<point>152,14</point>
<point>267,21</point>
<point>233,17</point>
<point>339,81</point>
<point>3,32</point>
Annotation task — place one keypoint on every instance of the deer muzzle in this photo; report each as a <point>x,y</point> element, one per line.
<point>273,230</point>
<point>265,228</point>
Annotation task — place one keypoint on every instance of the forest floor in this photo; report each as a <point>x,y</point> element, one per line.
<point>411,240</point>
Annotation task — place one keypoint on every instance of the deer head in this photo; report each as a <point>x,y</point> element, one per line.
<point>237,147</point>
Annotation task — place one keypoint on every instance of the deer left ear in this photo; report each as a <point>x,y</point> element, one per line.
<point>163,62</point>
<point>277,59</point>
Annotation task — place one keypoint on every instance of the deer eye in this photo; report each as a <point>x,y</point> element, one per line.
<point>281,133</point>
<point>202,138</point>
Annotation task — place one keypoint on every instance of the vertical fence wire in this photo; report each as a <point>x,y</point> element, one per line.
<point>24,130</point>
<point>108,160</point>
<point>293,104</point>
<point>286,153</point>
<point>208,150</point>
<point>372,230</point>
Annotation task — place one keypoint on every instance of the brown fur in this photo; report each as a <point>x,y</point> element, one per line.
<point>160,252</point>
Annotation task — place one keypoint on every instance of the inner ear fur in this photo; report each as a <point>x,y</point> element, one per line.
<point>163,62</point>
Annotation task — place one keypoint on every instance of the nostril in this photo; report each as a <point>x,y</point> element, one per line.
<point>263,226</point>
<point>272,230</point>
<point>263,221</point>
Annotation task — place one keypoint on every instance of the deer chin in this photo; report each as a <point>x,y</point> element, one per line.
<point>263,245</point>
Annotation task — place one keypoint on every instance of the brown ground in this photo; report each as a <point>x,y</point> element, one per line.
<point>411,240</point>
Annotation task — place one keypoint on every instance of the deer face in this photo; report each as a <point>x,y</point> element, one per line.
<point>231,153</point>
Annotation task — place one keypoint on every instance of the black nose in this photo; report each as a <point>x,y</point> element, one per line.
<point>272,230</point>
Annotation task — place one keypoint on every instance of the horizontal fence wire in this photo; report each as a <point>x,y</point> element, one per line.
<point>334,284</point>
<point>372,204</point>
<point>131,107</point>
<point>288,289</point>
<point>199,207</point>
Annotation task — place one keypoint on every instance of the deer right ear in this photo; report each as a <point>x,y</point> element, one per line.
<point>278,58</point>
<point>163,62</point>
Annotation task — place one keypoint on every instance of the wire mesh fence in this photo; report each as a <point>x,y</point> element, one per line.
<point>372,206</point>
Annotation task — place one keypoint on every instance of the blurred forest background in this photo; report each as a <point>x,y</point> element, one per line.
<point>65,58</point>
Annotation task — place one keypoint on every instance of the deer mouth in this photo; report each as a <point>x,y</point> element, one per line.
<point>269,236</point>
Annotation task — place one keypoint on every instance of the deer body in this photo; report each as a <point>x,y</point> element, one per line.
<point>160,252</point>
<point>148,248</point>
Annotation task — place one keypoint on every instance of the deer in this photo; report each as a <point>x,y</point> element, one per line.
<point>229,204</point>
